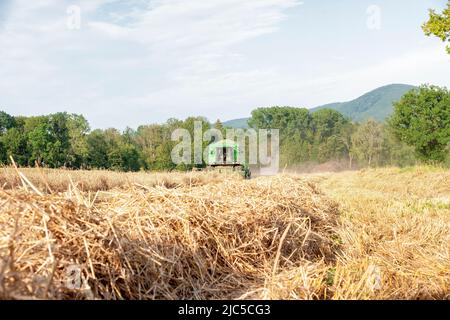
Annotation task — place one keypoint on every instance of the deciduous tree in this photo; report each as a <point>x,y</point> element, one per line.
<point>422,119</point>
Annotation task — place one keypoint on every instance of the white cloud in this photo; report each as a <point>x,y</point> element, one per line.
<point>189,31</point>
<point>182,39</point>
<point>139,61</point>
<point>110,29</point>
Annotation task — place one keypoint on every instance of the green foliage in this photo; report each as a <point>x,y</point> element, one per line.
<point>189,124</point>
<point>326,135</point>
<point>6,122</point>
<point>78,128</point>
<point>3,155</point>
<point>367,142</point>
<point>147,148</point>
<point>395,152</point>
<point>48,139</point>
<point>327,127</point>
<point>295,130</point>
<point>154,143</point>
<point>345,138</point>
<point>439,25</point>
<point>97,150</point>
<point>280,117</point>
<point>304,136</point>
<point>37,132</point>
<point>422,120</point>
<point>218,125</point>
<point>14,144</point>
<point>124,157</point>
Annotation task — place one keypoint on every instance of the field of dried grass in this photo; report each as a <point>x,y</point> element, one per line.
<point>371,234</point>
<point>54,181</point>
<point>394,232</point>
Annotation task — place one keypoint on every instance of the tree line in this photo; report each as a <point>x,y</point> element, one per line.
<point>418,131</point>
<point>66,140</point>
<point>326,135</point>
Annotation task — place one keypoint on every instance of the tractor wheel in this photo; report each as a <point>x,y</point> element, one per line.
<point>247,173</point>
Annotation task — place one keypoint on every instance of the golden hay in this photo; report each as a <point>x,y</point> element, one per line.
<point>53,180</point>
<point>395,233</point>
<point>209,236</point>
<point>225,240</point>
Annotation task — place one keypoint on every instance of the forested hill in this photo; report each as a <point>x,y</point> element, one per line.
<point>376,104</point>
<point>241,123</point>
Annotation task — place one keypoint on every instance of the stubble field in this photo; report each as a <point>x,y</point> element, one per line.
<point>371,234</point>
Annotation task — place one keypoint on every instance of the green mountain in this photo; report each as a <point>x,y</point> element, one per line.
<point>237,123</point>
<point>376,104</point>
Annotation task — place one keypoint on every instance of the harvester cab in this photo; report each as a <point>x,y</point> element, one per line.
<point>223,156</point>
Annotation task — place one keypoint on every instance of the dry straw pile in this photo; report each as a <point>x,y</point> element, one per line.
<point>101,235</point>
<point>264,238</point>
<point>51,180</point>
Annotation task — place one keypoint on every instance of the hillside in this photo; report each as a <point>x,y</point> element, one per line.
<point>237,123</point>
<point>376,104</point>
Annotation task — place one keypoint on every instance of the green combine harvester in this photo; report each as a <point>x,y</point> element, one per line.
<point>223,156</point>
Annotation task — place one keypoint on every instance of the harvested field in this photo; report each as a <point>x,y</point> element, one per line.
<point>394,231</point>
<point>210,241</point>
<point>373,234</point>
<point>51,180</point>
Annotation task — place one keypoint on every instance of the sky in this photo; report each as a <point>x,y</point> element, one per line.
<point>131,62</point>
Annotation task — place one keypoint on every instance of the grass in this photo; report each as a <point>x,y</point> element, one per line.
<point>371,234</point>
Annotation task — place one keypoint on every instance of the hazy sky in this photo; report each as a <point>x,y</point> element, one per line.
<point>134,62</point>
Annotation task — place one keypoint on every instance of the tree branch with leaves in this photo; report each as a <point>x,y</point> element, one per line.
<point>438,25</point>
